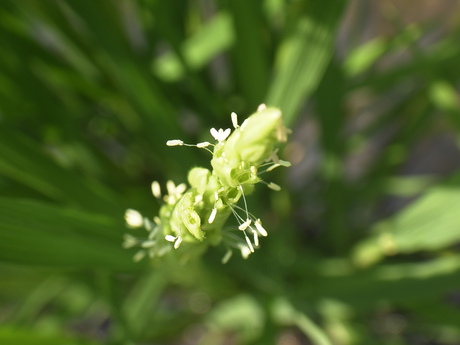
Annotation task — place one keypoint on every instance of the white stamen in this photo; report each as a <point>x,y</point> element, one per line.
<point>212,215</point>
<point>133,218</point>
<point>286,164</point>
<point>274,186</point>
<point>181,188</point>
<point>198,199</point>
<point>245,225</point>
<point>148,244</point>
<point>170,238</point>
<point>256,238</point>
<point>234,120</point>
<point>216,196</point>
<point>280,163</point>
<point>156,190</point>
<point>220,135</point>
<point>248,241</point>
<point>203,144</point>
<point>178,242</point>
<point>171,187</point>
<point>227,256</point>
<point>245,251</point>
<point>139,255</point>
<point>260,228</point>
<point>175,142</point>
<point>273,157</point>
<point>274,166</point>
<point>261,107</point>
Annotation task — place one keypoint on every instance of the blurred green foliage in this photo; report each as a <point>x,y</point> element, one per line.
<point>363,245</point>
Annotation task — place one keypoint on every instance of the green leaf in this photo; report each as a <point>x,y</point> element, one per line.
<point>34,233</point>
<point>24,336</point>
<point>304,57</point>
<point>213,38</point>
<point>22,159</point>
<point>430,223</point>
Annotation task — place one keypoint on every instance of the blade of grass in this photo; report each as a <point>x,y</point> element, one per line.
<point>34,233</point>
<point>303,59</point>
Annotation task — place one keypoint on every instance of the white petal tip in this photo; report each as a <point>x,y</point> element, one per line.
<point>261,107</point>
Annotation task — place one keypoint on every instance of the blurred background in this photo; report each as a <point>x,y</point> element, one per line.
<point>364,236</point>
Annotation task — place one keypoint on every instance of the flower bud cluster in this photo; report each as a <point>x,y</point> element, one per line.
<point>197,215</point>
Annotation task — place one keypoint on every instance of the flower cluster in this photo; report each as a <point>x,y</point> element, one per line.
<point>197,215</point>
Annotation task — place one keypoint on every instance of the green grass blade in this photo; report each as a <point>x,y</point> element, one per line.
<point>34,233</point>
<point>304,57</point>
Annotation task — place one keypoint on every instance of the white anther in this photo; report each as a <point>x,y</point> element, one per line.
<point>212,216</point>
<point>139,255</point>
<point>178,242</point>
<point>156,190</point>
<point>248,241</point>
<point>245,251</point>
<point>274,186</point>
<point>260,228</point>
<point>170,238</point>
<point>227,256</point>
<point>245,225</point>
<point>148,244</point>
<point>234,120</point>
<point>256,238</point>
<point>133,218</point>
<point>175,142</point>
<point>203,144</point>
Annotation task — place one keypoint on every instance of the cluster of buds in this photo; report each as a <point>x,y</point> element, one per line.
<point>197,215</point>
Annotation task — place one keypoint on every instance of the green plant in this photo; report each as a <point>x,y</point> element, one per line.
<point>363,245</point>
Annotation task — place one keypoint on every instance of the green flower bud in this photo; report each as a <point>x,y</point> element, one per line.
<point>198,178</point>
<point>254,141</point>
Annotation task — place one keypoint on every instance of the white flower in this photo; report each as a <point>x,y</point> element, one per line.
<point>133,218</point>
<point>220,135</point>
